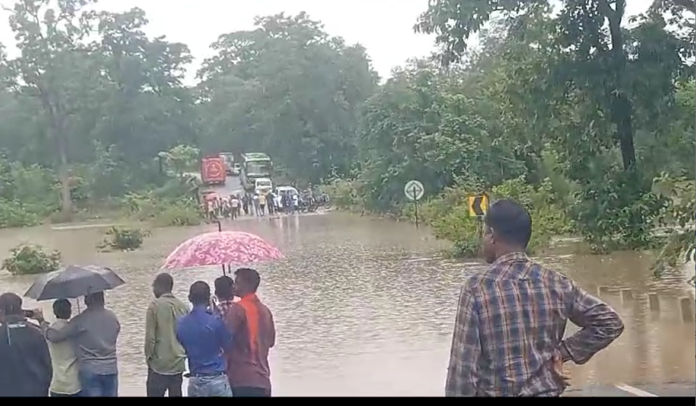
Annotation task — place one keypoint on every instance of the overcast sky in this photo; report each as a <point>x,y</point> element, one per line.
<point>384,27</point>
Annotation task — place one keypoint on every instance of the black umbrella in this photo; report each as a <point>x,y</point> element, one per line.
<point>72,282</point>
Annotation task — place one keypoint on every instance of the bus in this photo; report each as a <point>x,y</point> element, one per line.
<point>255,165</point>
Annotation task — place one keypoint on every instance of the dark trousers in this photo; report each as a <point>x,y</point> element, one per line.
<point>249,392</point>
<point>157,385</point>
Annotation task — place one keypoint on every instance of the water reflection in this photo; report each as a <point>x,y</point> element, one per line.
<point>365,307</point>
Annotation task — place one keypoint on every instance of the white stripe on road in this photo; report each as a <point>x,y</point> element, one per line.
<point>635,391</point>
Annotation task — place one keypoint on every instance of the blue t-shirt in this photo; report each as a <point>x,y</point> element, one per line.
<point>204,337</point>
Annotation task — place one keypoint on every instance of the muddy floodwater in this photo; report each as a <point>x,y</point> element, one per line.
<point>366,307</point>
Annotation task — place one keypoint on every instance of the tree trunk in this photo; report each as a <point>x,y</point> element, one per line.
<point>621,106</point>
<point>622,116</point>
<point>63,168</point>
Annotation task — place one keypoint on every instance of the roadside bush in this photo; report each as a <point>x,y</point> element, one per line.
<point>124,239</point>
<point>345,194</point>
<point>179,214</point>
<point>30,260</point>
<point>547,212</point>
<point>678,217</point>
<point>162,212</point>
<point>15,214</point>
<point>448,215</point>
<point>28,194</point>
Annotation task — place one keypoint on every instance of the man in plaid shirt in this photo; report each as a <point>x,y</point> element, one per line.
<point>224,292</point>
<point>508,335</point>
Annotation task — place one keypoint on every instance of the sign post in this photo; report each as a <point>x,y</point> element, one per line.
<point>414,191</point>
<point>478,207</point>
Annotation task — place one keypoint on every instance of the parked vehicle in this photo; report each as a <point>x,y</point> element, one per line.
<point>228,157</point>
<point>286,189</point>
<point>213,170</point>
<point>263,185</point>
<point>255,165</point>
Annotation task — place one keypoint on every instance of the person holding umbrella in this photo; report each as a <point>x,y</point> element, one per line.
<point>25,362</point>
<point>94,333</point>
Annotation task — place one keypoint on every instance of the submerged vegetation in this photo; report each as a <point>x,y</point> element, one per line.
<point>123,239</point>
<point>30,260</point>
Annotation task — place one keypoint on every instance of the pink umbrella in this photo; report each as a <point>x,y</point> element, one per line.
<point>221,248</point>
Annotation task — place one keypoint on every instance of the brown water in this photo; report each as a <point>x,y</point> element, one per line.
<point>365,307</point>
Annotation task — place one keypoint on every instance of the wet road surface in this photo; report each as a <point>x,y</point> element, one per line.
<point>366,306</point>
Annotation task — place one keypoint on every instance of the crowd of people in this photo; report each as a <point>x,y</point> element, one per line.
<point>508,337</point>
<point>259,204</point>
<point>225,339</point>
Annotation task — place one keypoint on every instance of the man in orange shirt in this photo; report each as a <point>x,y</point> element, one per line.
<point>254,331</point>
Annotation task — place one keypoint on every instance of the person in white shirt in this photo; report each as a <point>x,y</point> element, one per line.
<point>65,382</point>
<point>295,201</point>
<point>234,204</point>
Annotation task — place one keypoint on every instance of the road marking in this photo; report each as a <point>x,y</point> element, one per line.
<point>635,391</point>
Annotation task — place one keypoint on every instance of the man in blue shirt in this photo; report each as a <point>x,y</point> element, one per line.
<point>204,337</point>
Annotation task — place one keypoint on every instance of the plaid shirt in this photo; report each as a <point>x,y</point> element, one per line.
<point>510,324</point>
<point>223,308</point>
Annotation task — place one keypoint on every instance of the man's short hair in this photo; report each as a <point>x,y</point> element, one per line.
<point>164,281</point>
<point>96,298</point>
<point>510,222</point>
<point>224,287</point>
<point>62,308</point>
<point>10,304</point>
<point>250,277</point>
<point>199,293</point>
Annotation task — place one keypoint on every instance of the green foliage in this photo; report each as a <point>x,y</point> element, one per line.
<point>573,108</point>
<point>30,260</point>
<point>678,217</point>
<point>179,214</point>
<point>172,205</point>
<point>448,215</point>
<point>181,159</point>
<point>345,194</point>
<point>546,209</point>
<point>15,214</point>
<point>28,194</point>
<point>124,239</point>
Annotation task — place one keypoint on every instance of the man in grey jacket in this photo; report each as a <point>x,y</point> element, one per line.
<point>94,332</point>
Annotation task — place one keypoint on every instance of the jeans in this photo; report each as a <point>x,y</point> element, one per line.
<point>94,385</point>
<point>209,386</point>
<point>157,384</point>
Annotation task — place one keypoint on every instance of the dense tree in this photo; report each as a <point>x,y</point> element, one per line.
<point>289,89</point>
<point>596,91</point>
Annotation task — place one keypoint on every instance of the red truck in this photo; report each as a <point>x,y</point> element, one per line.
<point>213,170</point>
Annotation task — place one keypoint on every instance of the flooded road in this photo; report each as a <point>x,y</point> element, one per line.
<point>365,307</point>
